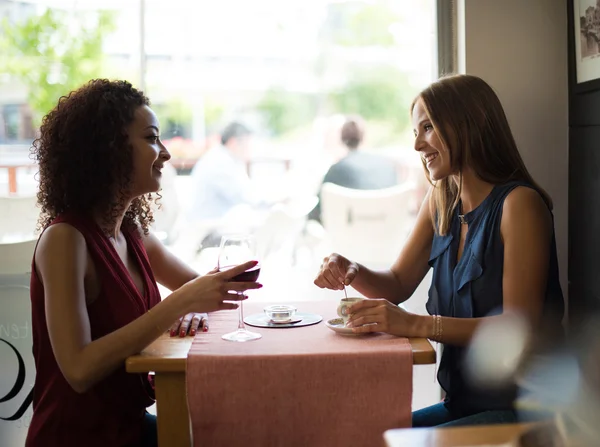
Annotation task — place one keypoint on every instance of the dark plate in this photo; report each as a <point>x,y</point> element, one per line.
<point>300,319</point>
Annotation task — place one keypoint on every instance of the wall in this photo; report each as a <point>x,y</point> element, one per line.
<point>520,48</point>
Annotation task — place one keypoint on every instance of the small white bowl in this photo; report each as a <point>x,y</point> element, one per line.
<point>280,313</point>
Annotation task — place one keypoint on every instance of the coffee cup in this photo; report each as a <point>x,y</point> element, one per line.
<point>344,305</point>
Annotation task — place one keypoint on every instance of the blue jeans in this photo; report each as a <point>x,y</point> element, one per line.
<point>439,415</point>
<point>149,433</point>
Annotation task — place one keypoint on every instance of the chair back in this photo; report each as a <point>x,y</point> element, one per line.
<point>368,226</point>
<point>279,233</point>
<point>18,217</point>
<point>17,367</point>
<point>16,258</point>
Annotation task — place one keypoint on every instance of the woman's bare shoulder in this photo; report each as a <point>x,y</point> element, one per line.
<point>59,240</point>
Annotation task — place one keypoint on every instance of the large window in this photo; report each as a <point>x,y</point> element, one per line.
<point>290,70</point>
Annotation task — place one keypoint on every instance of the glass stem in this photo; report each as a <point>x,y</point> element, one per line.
<point>241,325</point>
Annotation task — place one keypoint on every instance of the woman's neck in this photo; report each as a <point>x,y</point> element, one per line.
<point>111,222</point>
<point>474,191</point>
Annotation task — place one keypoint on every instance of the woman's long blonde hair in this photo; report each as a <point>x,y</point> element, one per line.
<point>470,122</point>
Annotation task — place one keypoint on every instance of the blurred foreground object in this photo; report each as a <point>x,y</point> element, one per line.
<point>562,380</point>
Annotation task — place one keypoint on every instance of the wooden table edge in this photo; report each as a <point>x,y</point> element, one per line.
<point>423,354</point>
<point>496,434</point>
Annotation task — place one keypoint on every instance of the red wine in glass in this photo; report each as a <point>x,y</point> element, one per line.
<point>250,275</point>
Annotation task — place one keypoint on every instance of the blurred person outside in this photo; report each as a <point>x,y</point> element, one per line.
<point>221,185</point>
<point>358,169</point>
<point>219,178</point>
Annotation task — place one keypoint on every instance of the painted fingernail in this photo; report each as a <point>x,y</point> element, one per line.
<point>182,333</point>
<point>193,332</point>
<point>205,329</point>
<point>173,332</point>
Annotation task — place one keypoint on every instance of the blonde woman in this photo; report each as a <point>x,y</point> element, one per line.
<point>486,229</point>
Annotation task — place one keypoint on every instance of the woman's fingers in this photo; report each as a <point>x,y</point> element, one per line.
<point>175,327</point>
<point>366,318</point>
<point>185,324</point>
<point>366,328</point>
<point>241,286</point>
<point>322,282</point>
<point>350,274</point>
<point>331,280</point>
<point>237,270</point>
<point>235,297</point>
<point>227,306</point>
<point>336,270</point>
<point>204,322</point>
<point>367,312</point>
<point>195,324</point>
<point>368,303</point>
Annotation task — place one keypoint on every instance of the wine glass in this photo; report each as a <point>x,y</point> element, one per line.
<point>235,250</point>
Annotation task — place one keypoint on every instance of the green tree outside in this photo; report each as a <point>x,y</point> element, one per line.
<point>378,95</point>
<point>54,53</point>
<point>360,25</point>
<point>379,91</point>
<point>284,110</point>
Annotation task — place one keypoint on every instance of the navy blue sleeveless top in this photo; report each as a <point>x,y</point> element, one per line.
<point>472,288</point>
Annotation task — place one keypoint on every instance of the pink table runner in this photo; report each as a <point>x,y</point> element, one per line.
<point>306,386</point>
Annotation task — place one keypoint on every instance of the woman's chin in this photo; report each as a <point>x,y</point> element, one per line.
<point>149,189</point>
<point>436,175</point>
<point>433,176</point>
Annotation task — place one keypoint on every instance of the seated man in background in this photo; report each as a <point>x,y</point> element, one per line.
<point>220,183</point>
<point>357,170</point>
<point>219,178</point>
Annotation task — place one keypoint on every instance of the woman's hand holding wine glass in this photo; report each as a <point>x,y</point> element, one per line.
<point>211,292</point>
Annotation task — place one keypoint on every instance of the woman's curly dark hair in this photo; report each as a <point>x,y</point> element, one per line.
<point>84,155</point>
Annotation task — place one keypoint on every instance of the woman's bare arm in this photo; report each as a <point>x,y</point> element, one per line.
<point>61,262</point>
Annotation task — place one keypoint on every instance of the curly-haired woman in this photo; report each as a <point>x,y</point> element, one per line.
<point>94,290</point>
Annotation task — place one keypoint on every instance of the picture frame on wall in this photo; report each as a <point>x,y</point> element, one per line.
<point>586,37</point>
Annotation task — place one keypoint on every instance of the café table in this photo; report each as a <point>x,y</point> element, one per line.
<point>167,358</point>
<point>501,435</point>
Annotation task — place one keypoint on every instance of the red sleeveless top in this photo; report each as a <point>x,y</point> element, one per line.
<point>111,412</point>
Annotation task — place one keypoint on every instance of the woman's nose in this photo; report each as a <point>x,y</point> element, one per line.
<point>165,154</point>
<point>419,143</point>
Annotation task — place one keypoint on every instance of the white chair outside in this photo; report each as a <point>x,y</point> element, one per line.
<point>280,232</point>
<point>368,226</point>
<point>18,217</point>
<point>16,258</point>
<point>17,368</point>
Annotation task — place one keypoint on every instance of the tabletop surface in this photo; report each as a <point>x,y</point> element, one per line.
<point>169,354</point>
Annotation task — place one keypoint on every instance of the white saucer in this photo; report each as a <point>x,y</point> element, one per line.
<point>337,325</point>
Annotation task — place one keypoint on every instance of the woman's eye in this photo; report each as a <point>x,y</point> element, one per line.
<point>153,139</point>
<point>427,127</point>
